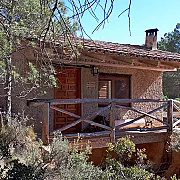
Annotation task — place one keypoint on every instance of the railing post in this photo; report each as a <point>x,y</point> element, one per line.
<point>112,122</point>
<point>45,124</point>
<point>170,115</point>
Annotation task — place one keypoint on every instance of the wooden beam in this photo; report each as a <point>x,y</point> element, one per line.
<point>125,61</point>
<point>45,124</point>
<point>101,59</point>
<point>104,58</point>
<point>170,115</point>
<point>90,117</point>
<point>65,112</point>
<point>141,112</point>
<point>176,123</point>
<point>129,62</point>
<point>96,57</point>
<point>118,65</point>
<point>143,129</point>
<point>69,125</point>
<point>36,102</point>
<point>97,124</point>
<point>77,101</point>
<point>112,122</point>
<point>163,66</point>
<point>140,117</point>
<point>175,101</point>
<point>157,64</point>
<point>175,114</point>
<point>150,63</point>
<point>172,64</point>
<point>176,107</point>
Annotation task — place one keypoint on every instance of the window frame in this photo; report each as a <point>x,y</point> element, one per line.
<point>113,78</point>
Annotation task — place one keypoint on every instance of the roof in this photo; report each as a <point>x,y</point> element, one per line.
<point>116,48</point>
<point>128,50</point>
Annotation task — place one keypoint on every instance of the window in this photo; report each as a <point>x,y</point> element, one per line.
<point>114,86</point>
<point>105,89</point>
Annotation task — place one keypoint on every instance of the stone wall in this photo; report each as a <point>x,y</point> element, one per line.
<point>154,152</point>
<point>144,85</point>
<point>19,100</point>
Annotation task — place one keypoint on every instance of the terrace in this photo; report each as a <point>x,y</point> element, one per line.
<point>152,126</point>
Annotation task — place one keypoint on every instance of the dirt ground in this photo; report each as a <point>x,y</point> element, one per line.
<point>175,167</point>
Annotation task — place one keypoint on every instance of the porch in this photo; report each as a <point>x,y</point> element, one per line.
<point>145,127</point>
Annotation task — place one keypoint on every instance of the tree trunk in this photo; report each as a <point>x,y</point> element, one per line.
<point>8,90</point>
<point>8,62</point>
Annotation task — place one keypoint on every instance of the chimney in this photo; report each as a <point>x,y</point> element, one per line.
<point>151,38</point>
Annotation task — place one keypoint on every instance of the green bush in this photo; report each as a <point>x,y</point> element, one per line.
<point>12,137</point>
<point>20,171</point>
<point>56,161</point>
<point>121,168</point>
<point>25,158</point>
<point>70,162</point>
<point>124,148</point>
<point>115,170</point>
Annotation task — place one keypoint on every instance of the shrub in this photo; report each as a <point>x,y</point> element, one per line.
<point>59,160</point>
<point>124,148</point>
<point>115,170</point>
<point>121,168</point>
<point>12,137</point>
<point>20,171</point>
<point>26,158</point>
<point>70,162</point>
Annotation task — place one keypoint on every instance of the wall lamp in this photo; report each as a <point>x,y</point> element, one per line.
<point>94,70</point>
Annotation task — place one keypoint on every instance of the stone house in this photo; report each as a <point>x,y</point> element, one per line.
<point>102,71</point>
<point>106,70</point>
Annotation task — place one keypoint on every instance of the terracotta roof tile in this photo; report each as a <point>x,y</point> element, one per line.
<point>127,49</point>
<point>121,49</point>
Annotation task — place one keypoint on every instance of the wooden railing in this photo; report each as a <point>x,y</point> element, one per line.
<point>112,105</point>
<point>176,114</point>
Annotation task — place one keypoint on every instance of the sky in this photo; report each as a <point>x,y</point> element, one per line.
<point>161,14</point>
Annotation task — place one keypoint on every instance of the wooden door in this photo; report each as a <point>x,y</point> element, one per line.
<point>69,81</point>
